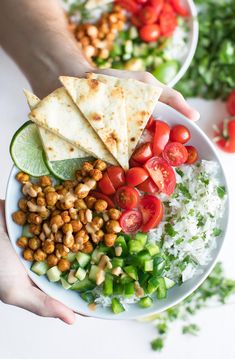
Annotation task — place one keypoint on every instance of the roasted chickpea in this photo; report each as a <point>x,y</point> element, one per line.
<point>75,247</point>
<point>98,236</point>
<point>39,255</point>
<point>45,181</point>
<point>90,201</point>
<point>73,213</point>
<point>67,228</point>
<point>69,184</point>
<point>34,218</point>
<point>55,212</point>
<point>48,246</point>
<point>23,204</point>
<point>49,189</point>
<point>41,201</point>
<point>86,168</point>
<point>96,174</point>
<point>100,205</point>
<point>109,239</point>
<point>22,177</point>
<point>19,217</point>
<point>35,229</point>
<point>68,240</point>
<point>82,216</point>
<point>78,175</point>
<point>87,247</point>
<point>113,226</point>
<point>81,191</point>
<point>63,265</point>
<point>80,204</point>
<point>76,225</point>
<point>97,223</point>
<point>61,250</point>
<point>58,237</point>
<point>22,242</point>
<point>28,255</point>
<point>114,213</point>
<point>52,260</point>
<point>51,198</point>
<point>57,220</point>
<point>45,214</point>
<point>34,243</point>
<point>65,216</point>
<point>100,165</point>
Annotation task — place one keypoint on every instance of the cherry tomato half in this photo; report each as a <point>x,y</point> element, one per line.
<point>175,154</point>
<point>167,21</point>
<point>105,185</point>
<point>148,186</point>
<point>192,155</point>
<point>150,33</point>
<point>116,175</point>
<point>161,137</point>
<point>142,153</point>
<point>225,135</point>
<point>152,212</point>
<point>157,4</point>
<point>179,8</point>
<point>129,5</point>
<point>180,133</point>
<point>127,197</point>
<point>136,175</point>
<point>151,124</point>
<point>162,174</point>
<point>131,221</point>
<point>99,195</point>
<point>147,15</point>
<point>133,163</point>
<point>231,103</point>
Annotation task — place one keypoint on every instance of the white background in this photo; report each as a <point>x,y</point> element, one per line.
<point>26,336</point>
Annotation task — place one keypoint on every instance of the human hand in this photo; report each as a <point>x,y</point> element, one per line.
<point>17,289</point>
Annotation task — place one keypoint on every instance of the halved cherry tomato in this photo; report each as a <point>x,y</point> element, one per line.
<point>161,137</point>
<point>179,8</point>
<point>180,133</point>
<point>131,221</point>
<point>148,186</point>
<point>147,15</point>
<point>142,1</point>
<point>175,154</point>
<point>105,185</point>
<point>150,124</point>
<point>127,197</point>
<point>192,155</point>
<point>152,211</point>
<point>231,103</point>
<point>142,153</point>
<point>157,4</point>
<point>167,21</point>
<point>226,145</point>
<point>129,5</point>
<point>99,195</point>
<point>136,21</point>
<point>225,135</point>
<point>133,163</point>
<point>136,175</point>
<point>150,33</point>
<point>116,175</point>
<point>162,174</point>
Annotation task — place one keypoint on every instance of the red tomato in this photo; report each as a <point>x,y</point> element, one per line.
<point>136,175</point>
<point>150,33</point>
<point>142,153</point>
<point>99,195</point>
<point>175,154</point>
<point>180,133</point>
<point>129,5</point>
<point>179,8</point>
<point>225,135</point>
<point>136,21</point>
<point>142,1</point>
<point>192,155</point>
<point>148,186</point>
<point>226,145</point>
<point>162,174</point>
<point>127,197</point>
<point>147,15</point>
<point>131,221</point>
<point>157,4</point>
<point>133,163</point>
<point>231,103</point>
<point>167,21</point>
<point>150,124</point>
<point>105,185</point>
<point>161,137</point>
<point>152,211</point>
<point>116,175</point>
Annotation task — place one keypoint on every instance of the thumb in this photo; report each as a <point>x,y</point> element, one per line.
<point>41,304</point>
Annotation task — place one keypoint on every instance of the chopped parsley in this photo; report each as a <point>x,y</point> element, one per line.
<point>169,229</point>
<point>183,189</point>
<point>180,173</point>
<point>221,191</point>
<point>200,220</point>
<point>217,232</point>
<point>192,329</point>
<point>157,344</point>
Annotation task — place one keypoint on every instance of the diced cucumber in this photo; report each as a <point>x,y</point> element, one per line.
<point>88,297</point>
<point>39,268</point>
<point>149,60</point>
<point>103,248</point>
<point>152,248</point>
<point>117,288</point>
<point>125,278</point>
<point>83,259</point>
<point>71,276</point>
<point>146,302</point>
<point>161,289</point>
<point>80,274</point>
<point>141,50</point>
<point>140,258</point>
<point>84,285</point>
<point>116,50</point>
<point>108,285</point>
<point>65,284</point>
<point>26,232</point>
<point>131,271</point>
<point>169,283</point>
<point>96,255</point>
<point>152,285</point>
<point>53,274</point>
<point>129,289</point>
<point>126,57</point>
<point>117,262</point>
<point>143,278</point>
<point>120,241</point>
<point>93,272</point>
<point>117,307</point>
<point>135,246</point>
<point>71,257</point>
<point>133,33</point>
<point>134,65</point>
<point>141,237</point>
<point>128,47</point>
<point>148,265</point>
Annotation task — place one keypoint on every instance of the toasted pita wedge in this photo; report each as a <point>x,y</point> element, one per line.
<point>140,99</point>
<point>55,148</point>
<point>103,105</point>
<point>58,114</point>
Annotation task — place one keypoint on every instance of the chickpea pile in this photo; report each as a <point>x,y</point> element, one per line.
<point>97,39</point>
<point>64,218</point>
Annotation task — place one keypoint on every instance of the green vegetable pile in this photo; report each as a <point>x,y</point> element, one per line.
<point>212,72</point>
<point>215,289</point>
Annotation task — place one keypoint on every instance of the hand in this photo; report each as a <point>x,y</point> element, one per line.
<point>17,289</point>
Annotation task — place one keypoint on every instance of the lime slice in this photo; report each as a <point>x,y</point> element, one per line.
<point>27,152</point>
<point>65,169</point>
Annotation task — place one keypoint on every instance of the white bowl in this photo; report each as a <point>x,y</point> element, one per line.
<point>192,42</point>
<point>175,294</point>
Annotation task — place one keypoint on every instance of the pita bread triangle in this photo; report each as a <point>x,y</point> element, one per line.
<point>103,105</point>
<point>140,99</point>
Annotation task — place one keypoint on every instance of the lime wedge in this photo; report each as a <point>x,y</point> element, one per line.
<point>27,152</point>
<point>65,169</point>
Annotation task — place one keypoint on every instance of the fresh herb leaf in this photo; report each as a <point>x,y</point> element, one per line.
<point>200,220</point>
<point>180,173</point>
<point>169,229</point>
<point>192,329</point>
<point>157,344</point>
<point>221,191</point>
<point>217,232</point>
<point>183,189</point>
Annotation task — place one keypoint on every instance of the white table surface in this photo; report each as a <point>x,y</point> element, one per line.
<point>26,336</point>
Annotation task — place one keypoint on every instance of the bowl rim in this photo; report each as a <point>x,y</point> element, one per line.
<point>150,311</point>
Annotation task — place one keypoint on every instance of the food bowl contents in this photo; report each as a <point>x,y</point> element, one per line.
<point>133,35</point>
<point>117,233</point>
